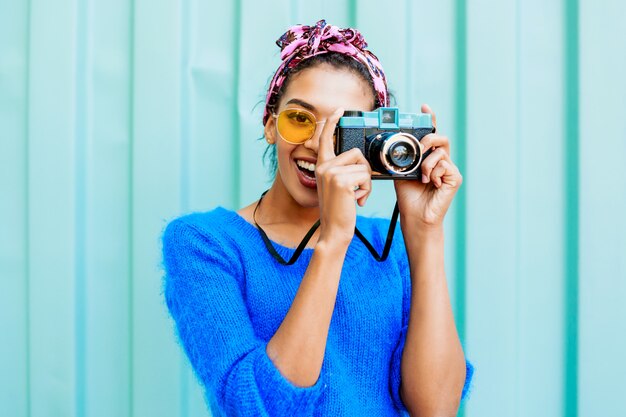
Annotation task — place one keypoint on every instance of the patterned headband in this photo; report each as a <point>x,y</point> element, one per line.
<point>301,42</point>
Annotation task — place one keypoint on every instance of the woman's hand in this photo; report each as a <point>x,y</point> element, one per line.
<point>426,202</point>
<point>340,181</point>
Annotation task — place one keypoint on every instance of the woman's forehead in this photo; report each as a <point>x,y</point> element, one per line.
<point>324,88</point>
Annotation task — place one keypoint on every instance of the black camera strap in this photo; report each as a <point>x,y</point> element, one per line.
<point>390,232</point>
<point>380,258</point>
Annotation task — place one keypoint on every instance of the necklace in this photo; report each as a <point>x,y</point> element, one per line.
<point>307,237</point>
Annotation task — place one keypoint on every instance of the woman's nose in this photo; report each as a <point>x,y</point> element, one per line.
<point>313,143</point>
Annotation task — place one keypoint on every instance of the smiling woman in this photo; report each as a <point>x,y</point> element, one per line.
<point>336,332</point>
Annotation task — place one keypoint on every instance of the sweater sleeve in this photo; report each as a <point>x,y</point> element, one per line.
<point>402,261</point>
<point>203,292</point>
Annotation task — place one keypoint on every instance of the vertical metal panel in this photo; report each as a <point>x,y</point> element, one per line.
<point>492,205</point>
<point>186,373</point>
<point>602,199</point>
<point>255,66</point>
<point>459,259</point>
<point>571,184</point>
<point>540,316</point>
<point>82,117</point>
<point>14,357</point>
<point>303,12</point>
<point>52,208</point>
<point>108,82</point>
<point>385,36</point>
<point>155,197</point>
<point>209,77</point>
<point>429,77</point>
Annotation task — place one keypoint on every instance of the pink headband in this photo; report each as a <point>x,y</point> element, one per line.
<point>301,42</point>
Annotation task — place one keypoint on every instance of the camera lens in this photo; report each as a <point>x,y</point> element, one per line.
<point>401,155</point>
<point>394,153</point>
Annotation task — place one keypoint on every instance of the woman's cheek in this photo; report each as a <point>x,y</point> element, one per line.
<point>284,155</point>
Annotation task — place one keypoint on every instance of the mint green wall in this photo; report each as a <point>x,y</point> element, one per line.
<point>118,115</point>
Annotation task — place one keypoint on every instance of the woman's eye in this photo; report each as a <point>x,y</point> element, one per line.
<point>299,119</point>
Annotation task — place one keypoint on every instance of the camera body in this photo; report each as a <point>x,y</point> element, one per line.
<point>390,140</point>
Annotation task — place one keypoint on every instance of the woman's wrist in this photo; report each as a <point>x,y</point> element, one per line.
<point>411,228</point>
<point>337,238</point>
<point>326,244</point>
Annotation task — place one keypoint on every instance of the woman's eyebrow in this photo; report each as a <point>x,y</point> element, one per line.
<point>301,103</point>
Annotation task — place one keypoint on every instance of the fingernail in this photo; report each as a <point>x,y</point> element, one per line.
<point>424,178</point>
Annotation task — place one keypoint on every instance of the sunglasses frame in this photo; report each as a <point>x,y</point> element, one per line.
<point>276,116</point>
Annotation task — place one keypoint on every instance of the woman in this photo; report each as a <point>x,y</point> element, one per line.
<point>336,332</point>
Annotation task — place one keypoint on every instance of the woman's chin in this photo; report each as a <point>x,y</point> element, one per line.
<point>301,188</point>
<point>306,197</point>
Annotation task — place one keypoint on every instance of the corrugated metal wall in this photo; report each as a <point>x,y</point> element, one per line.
<point>117,115</point>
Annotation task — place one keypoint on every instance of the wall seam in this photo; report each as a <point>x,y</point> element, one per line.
<point>236,156</point>
<point>518,201</point>
<point>130,237</point>
<point>80,137</point>
<point>27,206</point>
<point>461,133</point>
<point>294,12</point>
<point>408,53</point>
<point>352,13</point>
<point>184,164</point>
<point>460,121</point>
<point>571,215</point>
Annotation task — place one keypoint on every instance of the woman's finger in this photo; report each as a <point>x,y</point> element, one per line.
<point>446,172</point>
<point>426,109</point>
<point>350,179</point>
<point>347,177</point>
<point>434,140</point>
<point>353,156</point>
<point>431,161</point>
<point>326,149</point>
<point>364,189</point>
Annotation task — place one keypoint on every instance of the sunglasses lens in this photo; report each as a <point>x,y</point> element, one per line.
<point>296,126</point>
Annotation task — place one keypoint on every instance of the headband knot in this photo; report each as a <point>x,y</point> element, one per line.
<point>308,41</point>
<point>301,42</point>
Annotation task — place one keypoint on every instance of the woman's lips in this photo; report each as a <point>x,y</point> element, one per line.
<point>305,180</point>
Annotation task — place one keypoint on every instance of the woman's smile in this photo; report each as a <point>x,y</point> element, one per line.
<point>305,168</point>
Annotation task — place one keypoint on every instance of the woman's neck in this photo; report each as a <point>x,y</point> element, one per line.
<point>279,207</point>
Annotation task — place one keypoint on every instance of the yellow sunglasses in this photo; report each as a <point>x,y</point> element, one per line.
<point>296,126</point>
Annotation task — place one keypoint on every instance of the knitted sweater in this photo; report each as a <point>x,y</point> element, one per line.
<point>228,296</point>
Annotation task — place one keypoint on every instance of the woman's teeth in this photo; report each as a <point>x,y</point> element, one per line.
<point>306,165</point>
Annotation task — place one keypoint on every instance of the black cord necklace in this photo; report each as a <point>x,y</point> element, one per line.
<point>307,237</point>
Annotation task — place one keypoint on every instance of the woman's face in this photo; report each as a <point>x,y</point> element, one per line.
<point>321,90</point>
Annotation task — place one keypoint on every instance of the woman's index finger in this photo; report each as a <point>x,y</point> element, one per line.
<point>326,147</point>
<point>426,109</point>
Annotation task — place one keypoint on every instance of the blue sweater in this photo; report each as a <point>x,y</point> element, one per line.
<point>228,296</point>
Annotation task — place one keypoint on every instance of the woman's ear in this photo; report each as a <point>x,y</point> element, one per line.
<point>270,130</point>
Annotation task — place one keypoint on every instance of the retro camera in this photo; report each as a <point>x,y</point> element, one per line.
<point>390,140</point>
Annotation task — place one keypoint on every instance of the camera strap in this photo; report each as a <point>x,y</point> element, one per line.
<point>392,228</point>
<point>380,258</point>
